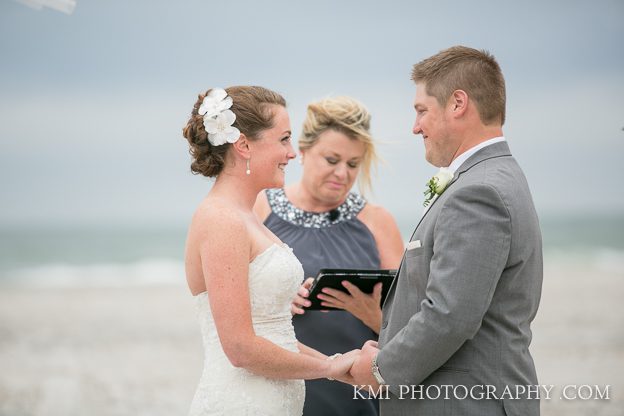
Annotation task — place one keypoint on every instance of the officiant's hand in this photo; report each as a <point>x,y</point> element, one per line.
<point>301,298</point>
<point>361,371</point>
<point>365,307</point>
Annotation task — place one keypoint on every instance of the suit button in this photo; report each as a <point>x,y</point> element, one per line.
<point>384,324</point>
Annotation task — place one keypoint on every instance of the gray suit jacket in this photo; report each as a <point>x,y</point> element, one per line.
<point>460,309</point>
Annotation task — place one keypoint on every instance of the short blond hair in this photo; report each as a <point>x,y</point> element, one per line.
<point>473,71</point>
<point>349,117</point>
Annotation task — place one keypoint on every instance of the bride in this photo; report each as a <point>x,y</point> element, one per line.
<point>242,277</point>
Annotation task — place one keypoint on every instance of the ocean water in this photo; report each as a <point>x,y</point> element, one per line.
<point>119,256</point>
<point>91,256</point>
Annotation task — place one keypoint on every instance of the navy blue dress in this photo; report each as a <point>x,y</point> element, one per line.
<point>334,239</point>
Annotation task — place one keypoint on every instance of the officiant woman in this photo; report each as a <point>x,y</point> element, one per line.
<point>328,226</point>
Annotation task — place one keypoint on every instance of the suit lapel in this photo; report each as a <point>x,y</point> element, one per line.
<point>500,149</point>
<point>495,150</point>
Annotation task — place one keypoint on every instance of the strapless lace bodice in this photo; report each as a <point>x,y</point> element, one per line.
<point>274,277</point>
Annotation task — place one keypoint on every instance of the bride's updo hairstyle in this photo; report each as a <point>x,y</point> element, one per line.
<point>347,116</point>
<point>252,107</point>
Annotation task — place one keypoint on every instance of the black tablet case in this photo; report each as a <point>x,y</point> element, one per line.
<point>364,279</point>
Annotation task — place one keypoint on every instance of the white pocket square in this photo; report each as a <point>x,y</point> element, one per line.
<point>414,244</point>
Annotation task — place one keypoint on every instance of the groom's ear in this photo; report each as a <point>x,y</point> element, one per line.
<point>458,103</point>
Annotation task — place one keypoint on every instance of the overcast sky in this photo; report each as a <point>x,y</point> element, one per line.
<point>92,104</point>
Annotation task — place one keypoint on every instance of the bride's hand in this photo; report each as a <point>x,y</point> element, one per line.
<point>341,364</point>
<point>301,298</point>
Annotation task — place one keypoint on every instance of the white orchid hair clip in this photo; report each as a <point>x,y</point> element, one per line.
<point>218,118</point>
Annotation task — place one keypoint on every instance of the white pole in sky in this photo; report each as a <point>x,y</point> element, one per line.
<point>65,6</point>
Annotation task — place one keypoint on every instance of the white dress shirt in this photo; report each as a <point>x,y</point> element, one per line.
<point>457,162</point>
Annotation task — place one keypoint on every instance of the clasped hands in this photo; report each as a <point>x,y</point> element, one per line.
<point>355,367</point>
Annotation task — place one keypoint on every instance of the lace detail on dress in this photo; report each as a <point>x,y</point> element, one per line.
<point>284,209</point>
<point>274,277</point>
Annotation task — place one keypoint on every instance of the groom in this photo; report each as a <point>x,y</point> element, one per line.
<point>456,323</point>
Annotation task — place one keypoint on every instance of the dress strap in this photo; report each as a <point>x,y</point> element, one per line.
<point>284,209</point>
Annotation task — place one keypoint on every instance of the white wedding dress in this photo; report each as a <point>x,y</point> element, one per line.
<point>274,277</point>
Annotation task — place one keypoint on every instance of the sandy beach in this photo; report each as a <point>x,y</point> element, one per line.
<point>130,351</point>
<point>137,350</point>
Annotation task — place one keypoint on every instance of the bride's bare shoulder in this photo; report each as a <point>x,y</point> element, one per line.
<point>217,215</point>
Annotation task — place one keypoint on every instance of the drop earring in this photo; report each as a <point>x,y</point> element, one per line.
<point>248,171</point>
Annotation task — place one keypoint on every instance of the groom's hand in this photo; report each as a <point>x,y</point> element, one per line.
<point>361,371</point>
<point>301,298</point>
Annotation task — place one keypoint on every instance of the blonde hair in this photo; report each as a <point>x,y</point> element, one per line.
<point>462,68</point>
<point>349,117</point>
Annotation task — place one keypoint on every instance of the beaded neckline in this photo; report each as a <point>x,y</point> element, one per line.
<point>284,209</point>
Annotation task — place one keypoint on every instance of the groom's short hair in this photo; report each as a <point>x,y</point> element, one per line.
<point>473,71</point>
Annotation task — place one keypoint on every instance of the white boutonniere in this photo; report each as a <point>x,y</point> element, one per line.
<point>218,118</point>
<point>437,184</point>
